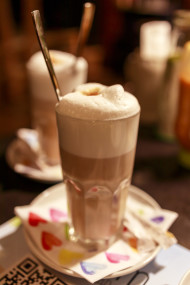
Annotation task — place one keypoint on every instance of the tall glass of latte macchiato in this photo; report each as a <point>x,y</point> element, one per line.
<point>97,127</point>
<point>43,97</point>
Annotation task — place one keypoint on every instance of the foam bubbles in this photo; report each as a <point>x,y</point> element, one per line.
<point>60,60</point>
<point>39,80</point>
<point>97,130</point>
<point>95,101</point>
<point>91,89</point>
<point>113,93</point>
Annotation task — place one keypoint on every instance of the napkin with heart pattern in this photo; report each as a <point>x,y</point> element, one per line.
<point>46,225</point>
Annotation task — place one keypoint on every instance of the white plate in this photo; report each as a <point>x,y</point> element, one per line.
<point>186,279</point>
<point>17,157</point>
<point>59,190</point>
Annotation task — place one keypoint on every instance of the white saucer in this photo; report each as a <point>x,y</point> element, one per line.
<point>186,279</point>
<point>59,190</point>
<point>19,159</point>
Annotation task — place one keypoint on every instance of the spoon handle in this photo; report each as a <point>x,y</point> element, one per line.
<point>86,23</point>
<point>41,38</point>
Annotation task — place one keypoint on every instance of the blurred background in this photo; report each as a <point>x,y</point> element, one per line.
<point>115,35</point>
<point>136,43</point>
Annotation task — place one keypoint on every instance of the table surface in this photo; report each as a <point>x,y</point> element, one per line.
<point>156,171</point>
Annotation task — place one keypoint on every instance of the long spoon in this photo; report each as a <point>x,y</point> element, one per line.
<point>41,38</point>
<point>85,26</point>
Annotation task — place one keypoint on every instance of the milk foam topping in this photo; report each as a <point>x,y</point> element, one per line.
<point>97,121</point>
<point>63,63</point>
<point>59,60</point>
<point>95,101</point>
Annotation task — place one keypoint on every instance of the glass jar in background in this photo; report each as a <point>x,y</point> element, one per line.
<point>182,128</point>
<point>181,30</point>
<point>168,99</point>
<point>169,88</point>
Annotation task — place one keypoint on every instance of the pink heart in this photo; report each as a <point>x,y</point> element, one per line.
<point>116,258</point>
<point>56,215</point>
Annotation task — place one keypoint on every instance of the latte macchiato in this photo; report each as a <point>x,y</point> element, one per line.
<point>43,97</point>
<point>97,128</point>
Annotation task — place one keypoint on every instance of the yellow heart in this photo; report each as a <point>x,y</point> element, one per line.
<point>67,257</point>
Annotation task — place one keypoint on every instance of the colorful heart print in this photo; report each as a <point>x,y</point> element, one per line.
<point>56,214</point>
<point>67,257</point>
<point>157,219</point>
<point>141,212</point>
<point>34,219</point>
<point>133,242</point>
<point>66,231</point>
<point>49,240</point>
<point>91,268</point>
<point>116,258</point>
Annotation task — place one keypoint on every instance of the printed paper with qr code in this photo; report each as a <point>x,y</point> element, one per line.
<point>29,271</point>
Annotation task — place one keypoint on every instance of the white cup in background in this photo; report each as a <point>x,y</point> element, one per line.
<point>43,98</point>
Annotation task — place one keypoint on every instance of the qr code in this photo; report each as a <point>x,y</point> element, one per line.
<point>29,272</point>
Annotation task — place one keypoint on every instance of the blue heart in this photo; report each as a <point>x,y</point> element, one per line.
<point>90,268</point>
<point>158,219</point>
